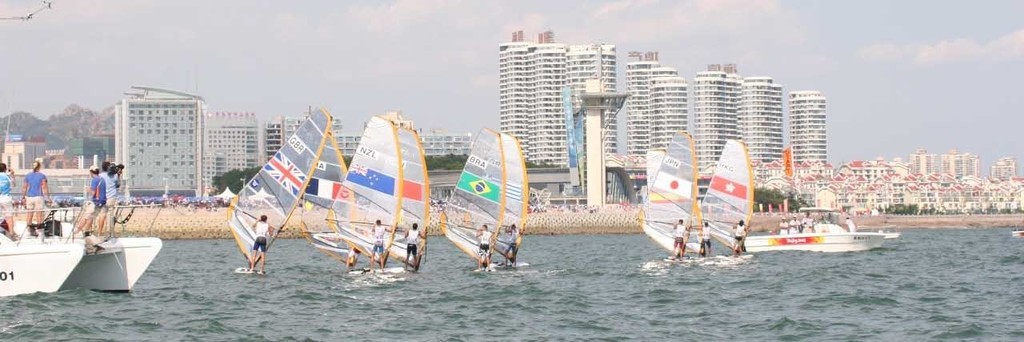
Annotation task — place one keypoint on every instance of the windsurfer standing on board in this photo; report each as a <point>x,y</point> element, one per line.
<point>510,253</point>
<point>741,233</point>
<point>705,240</point>
<point>412,239</point>
<point>484,235</point>
<point>379,234</point>
<point>679,233</point>
<point>261,229</point>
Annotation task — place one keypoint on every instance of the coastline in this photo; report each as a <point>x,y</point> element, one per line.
<point>181,224</point>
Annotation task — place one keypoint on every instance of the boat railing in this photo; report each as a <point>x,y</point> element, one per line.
<point>53,218</point>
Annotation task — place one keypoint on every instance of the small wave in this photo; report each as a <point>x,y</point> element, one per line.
<point>961,332</point>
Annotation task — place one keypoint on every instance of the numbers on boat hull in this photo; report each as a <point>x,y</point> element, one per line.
<point>7,276</point>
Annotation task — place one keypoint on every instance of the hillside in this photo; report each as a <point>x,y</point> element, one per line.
<point>73,122</point>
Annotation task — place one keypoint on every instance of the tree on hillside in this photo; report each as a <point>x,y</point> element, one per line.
<point>234,179</point>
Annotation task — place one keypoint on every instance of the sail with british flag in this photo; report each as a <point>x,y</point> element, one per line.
<point>374,181</point>
<point>730,195</point>
<point>278,187</point>
<point>672,193</point>
<point>478,200</point>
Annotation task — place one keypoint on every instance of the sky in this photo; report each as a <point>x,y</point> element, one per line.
<point>898,75</point>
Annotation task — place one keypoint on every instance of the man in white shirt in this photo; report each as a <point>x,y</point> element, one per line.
<point>850,226</point>
<point>484,237</point>
<point>740,233</point>
<point>379,235</point>
<point>261,231</point>
<point>679,233</point>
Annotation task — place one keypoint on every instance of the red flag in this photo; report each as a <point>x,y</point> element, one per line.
<point>412,190</point>
<point>787,161</point>
<point>734,189</point>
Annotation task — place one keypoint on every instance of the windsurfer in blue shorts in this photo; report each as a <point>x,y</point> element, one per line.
<point>379,234</point>
<point>510,253</point>
<point>261,230</point>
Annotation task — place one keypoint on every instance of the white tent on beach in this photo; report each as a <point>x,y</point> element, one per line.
<point>227,194</point>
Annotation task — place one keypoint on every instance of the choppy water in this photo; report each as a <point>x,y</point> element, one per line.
<point>931,284</point>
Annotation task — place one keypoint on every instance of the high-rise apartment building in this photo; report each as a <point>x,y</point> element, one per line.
<point>1005,168</point>
<point>158,135</point>
<point>657,105</point>
<point>232,142</point>
<point>760,118</point>
<point>20,151</point>
<point>961,164</point>
<point>925,163</point>
<point>808,133</point>
<point>531,76</point>
<point>716,98</point>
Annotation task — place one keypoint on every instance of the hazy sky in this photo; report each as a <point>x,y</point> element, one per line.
<point>898,75</point>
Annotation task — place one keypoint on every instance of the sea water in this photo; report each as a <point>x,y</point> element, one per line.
<point>929,284</point>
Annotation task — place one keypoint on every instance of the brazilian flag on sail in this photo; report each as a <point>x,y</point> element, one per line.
<point>473,184</point>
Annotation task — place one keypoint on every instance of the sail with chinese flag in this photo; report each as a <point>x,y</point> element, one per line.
<point>730,195</point>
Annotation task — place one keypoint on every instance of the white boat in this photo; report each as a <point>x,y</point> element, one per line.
<point>890,235</point>
<point>672,193</point>
<point>827,236</point>
<point>1018,232</point>
<point>115,267</point>
<point>36,267</point>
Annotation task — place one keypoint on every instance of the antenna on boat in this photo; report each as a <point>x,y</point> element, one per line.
<point>46,5</point>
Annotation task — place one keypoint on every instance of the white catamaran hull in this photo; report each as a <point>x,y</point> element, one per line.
<point>668,242</point>
<point>36,268</point>
<point>118,267</point>
<point>819,242</point>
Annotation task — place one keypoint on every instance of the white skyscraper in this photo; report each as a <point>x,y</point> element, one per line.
<point>232,142</point>
<point>716,98</point>
<point>807,129</point>
<point>760,118</point>
<point>657,106</point>
<point>158,136</point>
<point>530,80</point>
<point>1005,168</point>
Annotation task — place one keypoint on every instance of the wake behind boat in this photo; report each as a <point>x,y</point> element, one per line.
<point>826,236</point>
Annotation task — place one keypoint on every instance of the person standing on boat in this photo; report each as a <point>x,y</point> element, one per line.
<point>112,176</point>
<point>97,195</point>
<point>705,240</point>
<point>261,230</point>
<point>793,226</point>
<point>484,236</point>
<point>379,236</point>
<point>741,234</point>
<point>850,226</point>
<point>6,202</point>
<point>679,233</point>
<point>783,227</point>
<point>35,195</point>
<point>412,240</point>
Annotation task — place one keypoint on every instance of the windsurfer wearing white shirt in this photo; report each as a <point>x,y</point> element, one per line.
<point>484,236</point>
<point>679,233</point>
<point>379,234</point>
<point>412,239</point>
<point>511,235</point>
<point>741,234</point>
<point>261,230</point>
<point>850,226</point>
<point>705,240</point>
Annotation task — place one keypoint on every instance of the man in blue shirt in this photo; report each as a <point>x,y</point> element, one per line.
<point>97,199</point>
<point>111,176</point>
<point>6,202</point>
<point>35,195</point>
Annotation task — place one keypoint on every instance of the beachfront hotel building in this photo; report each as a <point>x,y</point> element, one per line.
<point>808,133</point>
<point>158,136</point>
<point>961,164</point>
<point>232,141</point>
<point>657,106</point>
<point>1004,168</point>
<point>760,118</point>
<point>531,76</point>
<point>716,98</point>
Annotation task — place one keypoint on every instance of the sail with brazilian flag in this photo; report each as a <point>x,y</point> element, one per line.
<point>479,196</point>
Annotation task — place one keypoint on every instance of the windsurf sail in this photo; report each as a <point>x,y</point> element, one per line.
<point>478,198</point>
<point>279,185</point>
<point>517,197</point>
<point>324,188</point>
<point>415,195</point>
<point>672,193</point>
<point>730,195</point>
<point>654,159</point>
<point>375,183</point>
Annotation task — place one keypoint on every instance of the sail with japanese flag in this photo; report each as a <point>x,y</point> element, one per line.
<point>479,196</point>
<point>654,158</point>
<point>324,188</point>
<point>517,196</point>
<point>374,181</point>
<point>672,194</point>
<point>279,186</point>
<point>730,195</point>
<point>415,196</point>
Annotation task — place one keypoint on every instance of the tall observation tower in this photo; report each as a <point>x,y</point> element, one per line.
<point>596,105</point>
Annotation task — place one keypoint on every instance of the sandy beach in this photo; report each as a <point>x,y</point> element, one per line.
<point>180,223</point>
